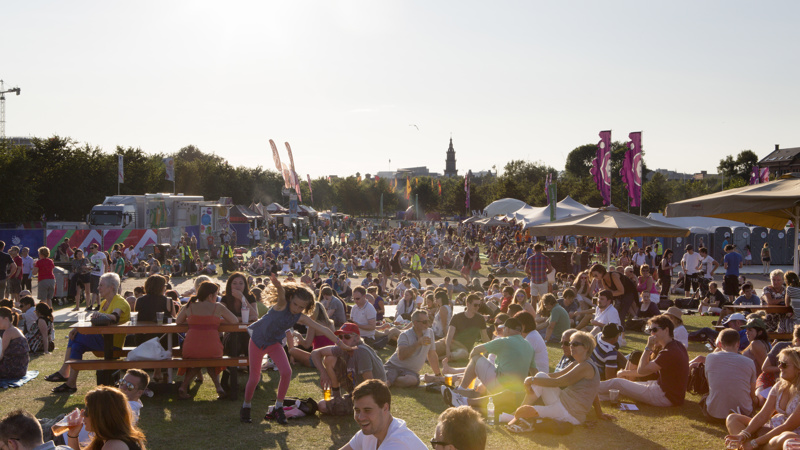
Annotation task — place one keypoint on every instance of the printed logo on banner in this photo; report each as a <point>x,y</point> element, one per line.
<point>763,235</point>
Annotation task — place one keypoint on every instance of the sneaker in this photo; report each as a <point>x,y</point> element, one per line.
<point>244,415</point>
<point>280,417</point>
<point>452,398</point>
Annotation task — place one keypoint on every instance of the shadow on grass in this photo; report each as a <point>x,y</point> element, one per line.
<point>581,437</point>
<point>342,429</point>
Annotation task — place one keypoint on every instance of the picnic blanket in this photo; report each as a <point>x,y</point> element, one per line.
<point>11,382</point>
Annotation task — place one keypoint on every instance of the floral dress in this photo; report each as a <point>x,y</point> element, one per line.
<point>14,363</point>
<point>781,415</point>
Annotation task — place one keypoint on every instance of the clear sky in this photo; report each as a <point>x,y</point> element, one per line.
<point>341,81</point>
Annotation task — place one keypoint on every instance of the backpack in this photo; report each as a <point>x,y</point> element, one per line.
<point>698,383</point>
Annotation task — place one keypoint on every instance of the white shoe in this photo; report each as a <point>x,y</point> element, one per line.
<point>453,398</point>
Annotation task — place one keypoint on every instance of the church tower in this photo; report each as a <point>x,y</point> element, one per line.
<point>450,162</point>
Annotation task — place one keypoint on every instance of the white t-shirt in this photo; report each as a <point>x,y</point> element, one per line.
<point>539,351</point>
<point>691,262</point>
<point>98,263</point>
<point>399,437</point>
<point>681,335</point>
<point>707,266</point>
<point>414,362</point>
<point>362,315</point>
<point>607,316</point>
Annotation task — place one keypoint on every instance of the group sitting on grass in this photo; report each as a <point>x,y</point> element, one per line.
<point>492,353</point>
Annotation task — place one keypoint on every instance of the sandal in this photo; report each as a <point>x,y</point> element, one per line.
<point>64,388</point>
<point>56,378</point>
<point>522,426</point>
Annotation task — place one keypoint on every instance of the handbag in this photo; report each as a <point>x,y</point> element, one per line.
<point>149,351</point>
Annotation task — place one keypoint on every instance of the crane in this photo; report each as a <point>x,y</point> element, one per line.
<point>3,107</point>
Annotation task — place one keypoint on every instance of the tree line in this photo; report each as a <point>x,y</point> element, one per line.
<point>62,179</point>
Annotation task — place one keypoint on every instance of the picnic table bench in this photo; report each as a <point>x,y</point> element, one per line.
<point>111,362</point>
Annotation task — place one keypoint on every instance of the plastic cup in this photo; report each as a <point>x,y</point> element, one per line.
<point>327,394</point>
<point>134,318</point>
<point>159,317</point>
<point>448,380</point>
<point>63,425</point>
<point>613,395</point>
<point>245,315</point>
<point>87,319</point>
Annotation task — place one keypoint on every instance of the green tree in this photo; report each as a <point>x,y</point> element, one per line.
<point>738,168</point>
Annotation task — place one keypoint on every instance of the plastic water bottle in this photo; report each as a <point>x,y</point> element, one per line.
<point>490,411</point>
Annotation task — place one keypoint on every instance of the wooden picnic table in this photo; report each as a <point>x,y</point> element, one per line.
<point>109,331</point>
<point>770,309</point>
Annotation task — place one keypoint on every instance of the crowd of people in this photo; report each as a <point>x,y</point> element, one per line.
<point>492,354</point>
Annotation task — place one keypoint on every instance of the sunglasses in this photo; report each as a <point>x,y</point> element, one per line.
<point>565,343</point>
<point>345,336</point>
<point>127,384</point>
<point>576,344</point>
<point>654,329</point>
<point>782,364</point>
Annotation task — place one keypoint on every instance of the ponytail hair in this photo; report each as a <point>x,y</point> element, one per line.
<point>206,288</point>
<point>9,314</point>
<point>44,310</point>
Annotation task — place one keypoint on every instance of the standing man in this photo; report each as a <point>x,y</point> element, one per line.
<point>416,263</point>
<point>372,411</point>
<point>186,257</point>
<point>638,260</point>
<point>537,267</point>
<point>15,276</point>
<point>707,267</point>
<point>6,266</point>
<point>414,346</point>
<point>733,262</point>
<point>690,264</point>
<point>98,261</point>
<point>27,268</point>
<point>227,257</point>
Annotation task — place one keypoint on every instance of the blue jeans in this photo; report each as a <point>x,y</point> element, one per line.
<point>85,343</point>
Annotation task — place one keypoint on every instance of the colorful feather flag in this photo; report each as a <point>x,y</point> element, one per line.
<point>601,167</point>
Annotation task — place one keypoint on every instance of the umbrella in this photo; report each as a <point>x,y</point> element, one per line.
<point>608,222</point>
<point>770,205</point>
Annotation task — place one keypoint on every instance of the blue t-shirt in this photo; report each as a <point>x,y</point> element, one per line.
<point>732,259</point>
<point>271,329</point>
<point>753,300</point>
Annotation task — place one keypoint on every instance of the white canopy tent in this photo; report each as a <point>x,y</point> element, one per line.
<point>567,207</point>
<point>696,221</point>
<point>504,206</point>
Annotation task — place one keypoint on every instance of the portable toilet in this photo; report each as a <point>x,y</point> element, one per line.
<point>719,238</point>
<point>741,239</point>
<point>698,237</point>
<point>777,244</point>
<point>790,246</point>
<point>757,240</point>
<point>678,248</point>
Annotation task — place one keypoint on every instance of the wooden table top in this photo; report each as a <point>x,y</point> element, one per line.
<point>150,328</point>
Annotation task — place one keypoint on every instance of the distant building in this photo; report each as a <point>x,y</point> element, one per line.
<point>24,141</point>
<point>450,162</point>
<point>782,161</point>
<point>670,175</point>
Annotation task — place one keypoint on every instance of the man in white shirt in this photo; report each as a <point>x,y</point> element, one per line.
<point>707,267</point>
<point>638,260</point>
<point>605,312</point>
<point>372,403</point>
<point>414,346</point>
<point>364,315</point>
<point>690,264</point>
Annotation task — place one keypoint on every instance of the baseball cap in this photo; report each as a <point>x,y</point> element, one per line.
<point>755,322</point>
<point>348,328</point>
<point>735,316</point>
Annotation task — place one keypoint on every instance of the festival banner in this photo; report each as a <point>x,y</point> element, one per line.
<point>287,177</point>
<point>169,166</point>
<point>440,188</point>
<point>295,178</point>
<point>120,170</point>
<point>755,176</point>
<point>77,238</point>
<point>408,188</point>
<point>764,174</point>
<point>601,167</point>
<point>466,187</point>
<point>33,238</point>
<point>311,192</point>
<point>547,181</point>
<point>138,238</point>
<point>631,171</point>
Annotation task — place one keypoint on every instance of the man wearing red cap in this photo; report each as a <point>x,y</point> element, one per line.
<point>338,368</point>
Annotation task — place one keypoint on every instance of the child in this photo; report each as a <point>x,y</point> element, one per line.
<point>649,290</point>
<point>291,304</point>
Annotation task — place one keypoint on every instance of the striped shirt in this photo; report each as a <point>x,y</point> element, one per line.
<point>604,356</point>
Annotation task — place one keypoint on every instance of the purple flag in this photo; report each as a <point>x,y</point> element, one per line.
<point>601,167</point>
<point>755,177</point>
<point>309,188</point>
<point>764,174</point>
<point>547,181</point>
<point>631,171</point>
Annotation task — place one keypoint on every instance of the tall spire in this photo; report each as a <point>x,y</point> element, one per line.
<point>450,162</point>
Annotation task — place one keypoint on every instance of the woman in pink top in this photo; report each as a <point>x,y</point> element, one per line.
<point>47,281</point>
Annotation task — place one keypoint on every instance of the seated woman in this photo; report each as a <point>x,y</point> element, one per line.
<point>108,418</point>
<point>41,335</point>
<point>14,362</point>
<point>779,418</point>
<point>567,395</point>
<point>312,340</point>
<point>759,341</point>
<point>204,315</point>
<point>770,369</point>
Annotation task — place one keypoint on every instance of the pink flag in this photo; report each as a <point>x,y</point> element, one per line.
<point>764,174</point>
<point>755,176</point>
<point>275,156</point>
<point>295,178</point>
<point>309,188</point>
<point>631,171</point>
<point>601,167</point>
<point>287,176</point>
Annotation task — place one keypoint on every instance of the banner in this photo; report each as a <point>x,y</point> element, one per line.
<point>764,174</point>
<point>309,188</point>
<point>547,181</point>
<point>287,177</point>
<point>440,188</point>
<point>408,188</point>
<point>295,178</point>
<point>631,171</point>
<point>601,167</point>
<point>466,187</point>
<point>755,176</point>
<point>275,156</point>
<point>120,170</point>
<point>169,165</point>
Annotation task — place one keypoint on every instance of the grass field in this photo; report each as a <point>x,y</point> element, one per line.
<point>209,423</point>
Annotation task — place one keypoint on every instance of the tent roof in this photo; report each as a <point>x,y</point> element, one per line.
<point>504,206</point>
<point>244,211</point>
<point>567,207</point>
<point>276,208</point>
<point>702,222</point>
<point>609,222</point>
